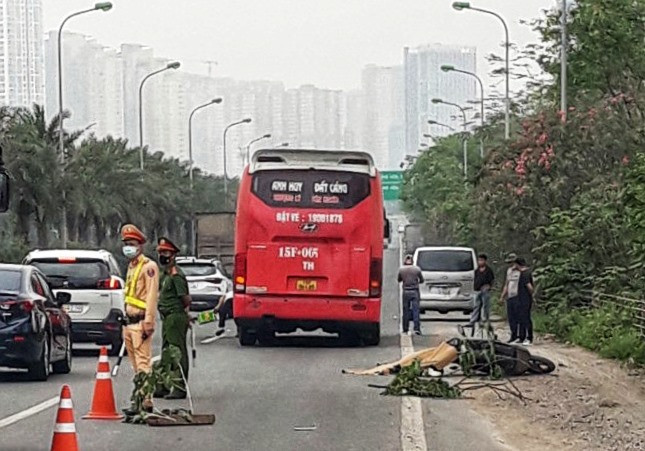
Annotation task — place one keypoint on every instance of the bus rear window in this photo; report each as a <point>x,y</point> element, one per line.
<point>311,189</point>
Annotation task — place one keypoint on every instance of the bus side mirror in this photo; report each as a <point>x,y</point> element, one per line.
<point>4,190</point>
<point>386,232</point>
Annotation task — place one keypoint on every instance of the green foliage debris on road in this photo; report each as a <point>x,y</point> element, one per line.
<point>409,382</point>
<point>568,189</point>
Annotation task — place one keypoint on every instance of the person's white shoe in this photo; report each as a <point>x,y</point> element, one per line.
<point>527,343</point>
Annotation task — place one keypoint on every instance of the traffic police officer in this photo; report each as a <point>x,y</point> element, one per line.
<point>174,302</point>
<point>141,292</point>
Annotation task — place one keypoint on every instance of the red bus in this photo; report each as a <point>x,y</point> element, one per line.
<point>309,245</point>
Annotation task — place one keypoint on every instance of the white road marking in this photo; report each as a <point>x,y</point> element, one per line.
<point>413,434</point>
<point>8,421</point>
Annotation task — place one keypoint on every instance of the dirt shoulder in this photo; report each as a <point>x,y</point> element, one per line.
<point>588,403</point>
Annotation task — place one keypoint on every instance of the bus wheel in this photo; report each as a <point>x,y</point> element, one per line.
<point>372,336</point>
<point>266,337</point>
<point>247,337</point>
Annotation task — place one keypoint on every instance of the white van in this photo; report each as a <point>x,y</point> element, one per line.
<point>449,276</point>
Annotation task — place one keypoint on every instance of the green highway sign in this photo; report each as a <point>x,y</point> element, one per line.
<point>392,182</point>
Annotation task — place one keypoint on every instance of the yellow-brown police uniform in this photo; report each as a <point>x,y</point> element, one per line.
<point>141,292</point>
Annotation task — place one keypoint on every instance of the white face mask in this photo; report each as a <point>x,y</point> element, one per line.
<point>130,251</point>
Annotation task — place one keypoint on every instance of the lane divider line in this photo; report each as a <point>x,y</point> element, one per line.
<point>8,421</point>
<point>413,434</point>
<point>31,411</point>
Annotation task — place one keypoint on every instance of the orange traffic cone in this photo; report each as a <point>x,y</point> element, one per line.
<point>103,406</point>
<point>65,429</point>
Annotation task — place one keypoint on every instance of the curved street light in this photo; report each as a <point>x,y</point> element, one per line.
<point>102,6</point>
<point>253,141</point>
<point>191,163</point>
<point>450,68</point>
<point>459,6</point>
<point>240,122</point>
<point>190,135</point>
<point>171,65</point>
<point>465,140</point>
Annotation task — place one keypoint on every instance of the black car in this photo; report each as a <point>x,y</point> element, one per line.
<point>35,332</point>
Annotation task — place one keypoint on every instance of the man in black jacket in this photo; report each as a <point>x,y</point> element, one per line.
<point>484,278</point>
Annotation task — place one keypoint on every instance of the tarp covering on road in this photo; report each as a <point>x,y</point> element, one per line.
<point>438,357</point>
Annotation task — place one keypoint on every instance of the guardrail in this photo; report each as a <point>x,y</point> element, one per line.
<point>636,307</point>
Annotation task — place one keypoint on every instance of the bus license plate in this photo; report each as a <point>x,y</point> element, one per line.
<point>306,285</point>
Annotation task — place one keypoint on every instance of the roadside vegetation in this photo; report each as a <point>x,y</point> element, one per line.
<point>103,185</point>
<point>568,189</point>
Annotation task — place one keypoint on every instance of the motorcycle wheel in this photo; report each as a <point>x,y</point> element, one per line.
<point>540,365</point>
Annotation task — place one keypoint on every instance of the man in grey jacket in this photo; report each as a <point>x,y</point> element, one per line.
<point>410,276</point>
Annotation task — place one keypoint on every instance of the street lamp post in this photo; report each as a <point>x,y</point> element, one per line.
<point>253,141</point>
<point>191,163</point>
<point>103,6</point>
<point>243,121</point>
<point>465,140</point>
<point>449,68</point>
<point>190,136</point>
<point>459,6</point>
<point>563,61</point>
<point>172,65</point>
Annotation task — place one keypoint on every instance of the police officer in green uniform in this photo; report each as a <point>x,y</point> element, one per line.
<point>173,305</point>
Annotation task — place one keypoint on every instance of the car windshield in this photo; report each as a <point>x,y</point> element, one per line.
<point>198,269</point>
<point>76,274</point>
<point>10,281</point>
<point>445,261</point>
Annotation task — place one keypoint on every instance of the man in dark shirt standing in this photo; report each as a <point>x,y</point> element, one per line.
<point>484,278</point>
<point>525,290</point>
<point>410,276</point>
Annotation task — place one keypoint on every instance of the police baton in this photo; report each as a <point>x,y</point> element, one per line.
<point>192,339</point>
<point>115,370</point>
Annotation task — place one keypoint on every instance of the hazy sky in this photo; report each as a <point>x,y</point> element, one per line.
<point>323,42</point>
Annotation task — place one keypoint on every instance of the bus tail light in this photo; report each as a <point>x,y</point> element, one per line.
<point>239,271</point>
<point>376,277</point>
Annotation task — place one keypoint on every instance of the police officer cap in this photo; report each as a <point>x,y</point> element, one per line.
<point>165,245</point>
<point>132,232</point>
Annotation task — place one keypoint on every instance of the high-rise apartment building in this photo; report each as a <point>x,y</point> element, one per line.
<point>21,53</point>
<point>92,91</point>
<point>424,81</point>
<point>382,89</point>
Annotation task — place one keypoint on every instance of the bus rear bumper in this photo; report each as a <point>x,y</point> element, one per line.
<point>285,314</point>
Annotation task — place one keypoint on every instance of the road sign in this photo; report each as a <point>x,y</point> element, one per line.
<point>392,182</point>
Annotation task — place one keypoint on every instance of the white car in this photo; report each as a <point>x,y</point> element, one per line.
<point>449,277</point>
<point>207,282</point>
<point>96,287</point>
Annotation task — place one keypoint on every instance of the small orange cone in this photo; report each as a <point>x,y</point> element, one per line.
<point>103,406</point>
<point>65,429</point>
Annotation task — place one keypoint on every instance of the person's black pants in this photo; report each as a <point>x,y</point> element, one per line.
<point>513,315</point>
<point>411,300</point>
<point>524,319</point>
<point>225,312</point>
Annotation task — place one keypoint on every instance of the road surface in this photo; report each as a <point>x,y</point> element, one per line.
<point>259,395</point>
